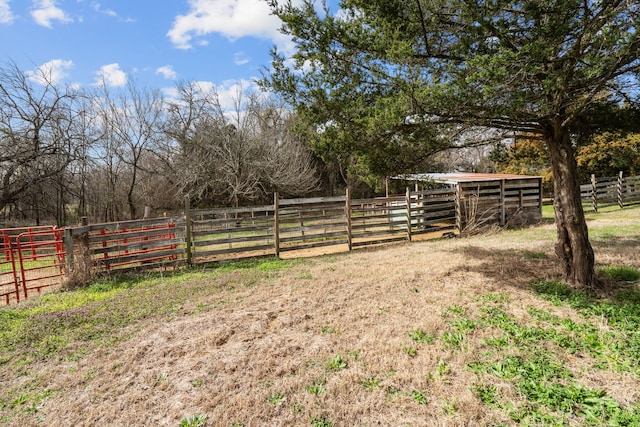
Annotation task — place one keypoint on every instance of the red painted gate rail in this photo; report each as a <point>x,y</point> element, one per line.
<point>35,258</point>
<point>31,259</point>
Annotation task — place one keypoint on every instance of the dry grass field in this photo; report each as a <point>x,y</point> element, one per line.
<point>454,332</point>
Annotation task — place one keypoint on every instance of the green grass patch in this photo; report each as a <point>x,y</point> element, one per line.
<point>620,273</point>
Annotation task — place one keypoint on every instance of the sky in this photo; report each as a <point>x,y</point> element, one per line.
<point>151,42</point>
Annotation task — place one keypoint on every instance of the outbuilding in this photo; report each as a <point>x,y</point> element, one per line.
<point>485,198</point>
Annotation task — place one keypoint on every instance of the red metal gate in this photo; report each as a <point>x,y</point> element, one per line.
<point>31,259</point>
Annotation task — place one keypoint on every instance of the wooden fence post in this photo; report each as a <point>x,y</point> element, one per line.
<point>458,209</point>
<point>187,230</point>
<point>540,196</point>
<point>594,193</point>
<point>347,211</point>
<point>276,225</point>
<point>408,201</point>
<point>82,248</point>
<point>68,248</point>
<point>621,190</point>
<point>503,212</point>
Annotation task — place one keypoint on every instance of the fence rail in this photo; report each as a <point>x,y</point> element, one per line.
<point>210,235</point>
<point>611,191</point>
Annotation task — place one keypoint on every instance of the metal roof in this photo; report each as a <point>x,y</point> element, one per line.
<point>456,177</point>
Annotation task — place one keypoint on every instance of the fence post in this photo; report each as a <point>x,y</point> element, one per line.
<point>503,213</point>
<point>276,225</point>
<point>594,193</point>
<point>540,196</point>
<point>458,209</point>
<point>408,200</point>
<point>347,209</point>
<point>68,248</point>
<point>82,239</point>
<point>621,190</point>
<point>187,230</point>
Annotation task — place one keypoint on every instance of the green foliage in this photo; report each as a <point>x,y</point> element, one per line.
<point>622,273</point>
<point>453,339</point>
<point>380,63</point>
<point>411,351</point>
<point>317,387</point>
<point>487,393</point>
<point>607,154</point>
<point>336,363</point>
<point>525,156</point>
<point>371,383</point>
<point>420,336</point>
<point>277,398</point>
<point>321,422</point>
<point>194,421</point>
<point>419,396</point>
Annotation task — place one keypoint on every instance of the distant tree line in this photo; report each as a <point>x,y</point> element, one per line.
<point>67,152</point>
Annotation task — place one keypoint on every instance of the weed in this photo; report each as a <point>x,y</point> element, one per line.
<point>277,398</point>
<point>316,387</point>
<point>464,324</point>
<point>500,341</point>
<point>194,420</point>
<point>326,329</point>
<point>420,336</point>
<point>449,406</point>
<point>487,393</point>
<point>198,382</point>
<point>411,351</point>
<point>457,310</point>
<point>371,383</point>
<point>421,397</point>
<point>321,422</point>
<point>336,363</point>
<point>442,369</point>
<point>453,339</point>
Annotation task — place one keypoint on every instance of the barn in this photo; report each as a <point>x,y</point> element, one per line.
<point>485,199</point>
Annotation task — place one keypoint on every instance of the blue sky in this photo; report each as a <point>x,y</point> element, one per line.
<point>154,42</point>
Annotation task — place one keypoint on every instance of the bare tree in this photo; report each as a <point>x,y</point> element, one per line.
<point>236,156</point>
<point>133,123</point>
<point>36,142</point>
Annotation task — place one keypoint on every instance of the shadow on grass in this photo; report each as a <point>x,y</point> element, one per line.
<point>512,267</point>
<point>541,273</point>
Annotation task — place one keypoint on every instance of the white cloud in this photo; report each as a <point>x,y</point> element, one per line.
<point>98,8</point>
<point>44,12</point>
<point>50,72</point>
<point>109,12</point>
<point>167,72</point>
<point>241,58</point>
<point>230,18</point>
<point>227,92</point>
<point>111,75</point>
<point>6,16</point>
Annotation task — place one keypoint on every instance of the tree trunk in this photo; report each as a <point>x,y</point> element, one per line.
<point>572,247</point>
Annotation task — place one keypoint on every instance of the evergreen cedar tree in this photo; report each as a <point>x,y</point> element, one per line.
<point>373,76</point>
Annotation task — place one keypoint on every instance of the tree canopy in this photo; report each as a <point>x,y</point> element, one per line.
<point>374,76</point>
